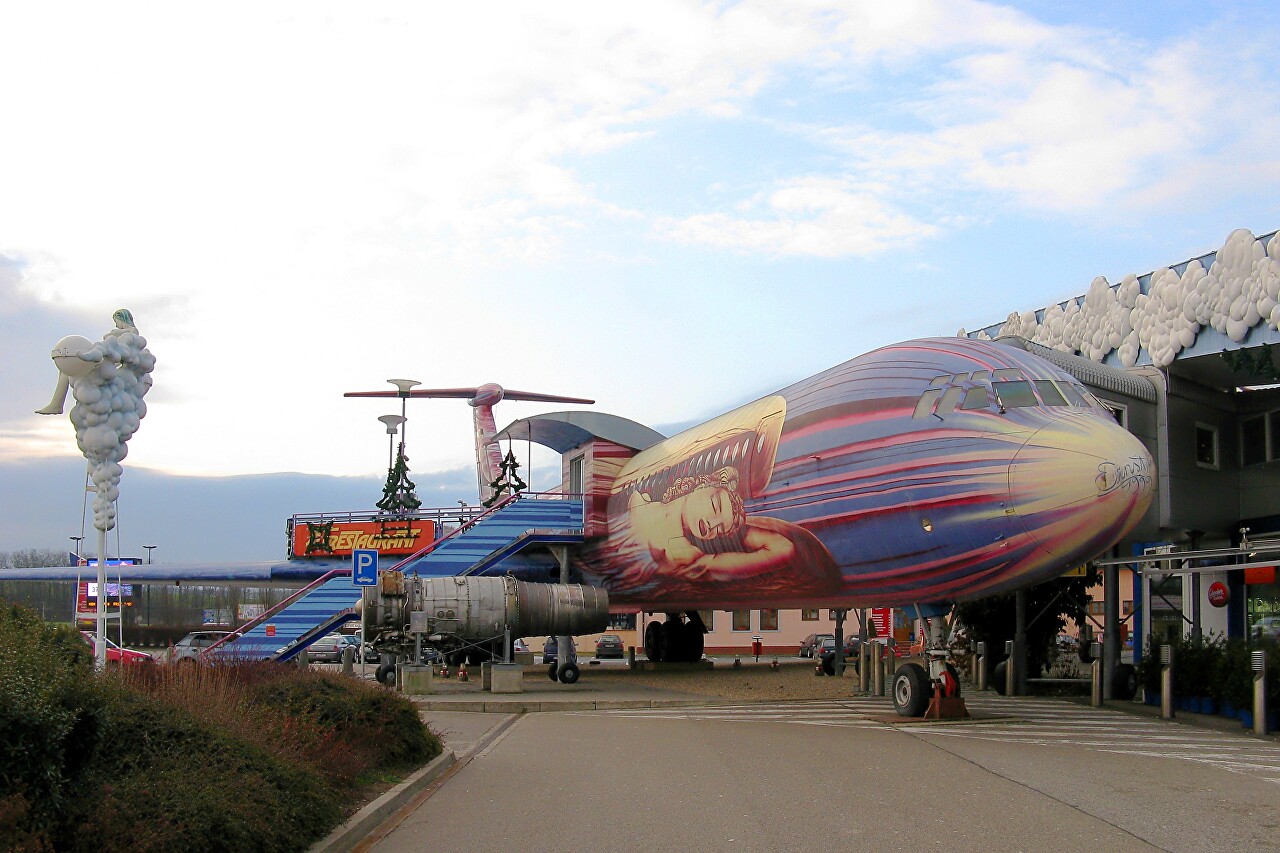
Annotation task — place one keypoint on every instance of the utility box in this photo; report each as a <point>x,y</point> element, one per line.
<point>506,678</point>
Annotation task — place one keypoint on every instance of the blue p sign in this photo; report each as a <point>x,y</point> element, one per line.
<point>364,567</point>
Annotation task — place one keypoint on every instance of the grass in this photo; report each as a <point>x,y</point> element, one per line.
<point>185,758</point>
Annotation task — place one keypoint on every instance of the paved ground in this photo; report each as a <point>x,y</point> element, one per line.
<point>652,770</point>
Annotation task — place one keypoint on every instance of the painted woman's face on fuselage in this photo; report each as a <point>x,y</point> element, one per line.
<point>707,512</point>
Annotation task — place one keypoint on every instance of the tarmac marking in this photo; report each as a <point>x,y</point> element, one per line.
<point>1033,722</point>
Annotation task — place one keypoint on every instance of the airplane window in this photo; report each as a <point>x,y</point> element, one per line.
<point>975,398</point>
<point>981,375</point>
<point>939,381</point>
<point>1073,396</point>
<point>1016,394</point>
<point>949,400</point>
<point>1050,393</point>
<point>925,407</point>
<point>960,377</point>
<point>1008,373</point>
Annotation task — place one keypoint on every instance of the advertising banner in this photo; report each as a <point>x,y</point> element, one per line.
<point>340,538</point>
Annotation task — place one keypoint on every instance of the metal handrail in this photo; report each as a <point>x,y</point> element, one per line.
<point>505,502</point>
<point>255,622</point>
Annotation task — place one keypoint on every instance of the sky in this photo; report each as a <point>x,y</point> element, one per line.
<point>670,208</point>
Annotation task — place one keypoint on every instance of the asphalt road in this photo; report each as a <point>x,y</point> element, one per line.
<point>1031,775</point>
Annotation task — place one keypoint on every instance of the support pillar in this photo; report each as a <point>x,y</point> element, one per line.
<point>1111,644</point>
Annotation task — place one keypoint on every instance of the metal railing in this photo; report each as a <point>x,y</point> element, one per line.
<point>268,614</point>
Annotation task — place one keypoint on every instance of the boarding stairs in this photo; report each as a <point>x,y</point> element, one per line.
<point>478,546</point>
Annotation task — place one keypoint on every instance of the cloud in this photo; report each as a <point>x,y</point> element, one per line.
<point>814,217</point>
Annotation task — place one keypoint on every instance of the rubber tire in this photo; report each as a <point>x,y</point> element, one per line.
<point>675,646</point>
<point>568,674</point>
<point>829,664</point>
<point>1124,682</point>
<point>654,645</point>
<point>998,676</point>
<point>551,673</point>
<point>695,643</point>
<point>911,690</point>
<point>386,675</point>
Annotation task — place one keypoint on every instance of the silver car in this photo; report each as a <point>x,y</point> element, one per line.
<point>190,646</point>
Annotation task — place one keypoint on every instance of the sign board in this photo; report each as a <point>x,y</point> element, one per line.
<point>271,630</point>
<point>364,567</point>
<point>339,538</point>
<point>1218,594</point>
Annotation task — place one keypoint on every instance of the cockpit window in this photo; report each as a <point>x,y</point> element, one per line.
<point>1015,394</point>
<point>1074,397</point>
<point>939,381</point>
<point>975,398</point>
<point>1008,373</point>
<point>1049,393</point>
<point>949,400</point>
<point>925,407</point>
<point>982,376</point>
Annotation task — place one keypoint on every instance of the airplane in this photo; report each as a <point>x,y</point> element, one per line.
<point>921,474</point>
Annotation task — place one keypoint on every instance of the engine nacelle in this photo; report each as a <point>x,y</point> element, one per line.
<point>470,609</point>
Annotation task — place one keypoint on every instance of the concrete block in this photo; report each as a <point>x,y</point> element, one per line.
<point>505,678</point>
<point>416,680</point>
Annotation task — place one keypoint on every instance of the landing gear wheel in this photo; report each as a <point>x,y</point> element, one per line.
<point>673,639</point>
<point>568,673</point>
<point>829,664</point>
<point>694,643</point>
<point>911,690</point>
<point>386,674</point>
<point>551,673</point>
<point>654,644</point>
<point>1124,682</point>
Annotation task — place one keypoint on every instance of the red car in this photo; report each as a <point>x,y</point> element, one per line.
<point>117,654</point>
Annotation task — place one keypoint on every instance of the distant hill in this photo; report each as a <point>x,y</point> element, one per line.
<point>237,519</point>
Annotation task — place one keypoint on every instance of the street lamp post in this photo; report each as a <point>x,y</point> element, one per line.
<point>392,423</point>
<point>146,588</point>
<point>76,540</point>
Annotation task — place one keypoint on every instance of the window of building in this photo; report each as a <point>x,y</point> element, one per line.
<point>742,620</point>
<point>809,615</point>
<point>768,620</point>
<point>1206,446</point>
<point>622,621</point>
<point>575,475</point>
<point>1253,440</point>
<point>1119,411</point>
<point>708,619</point>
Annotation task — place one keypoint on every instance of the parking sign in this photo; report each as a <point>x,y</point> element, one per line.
<point>364,567</point>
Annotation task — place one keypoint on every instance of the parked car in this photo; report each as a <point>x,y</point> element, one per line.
<point>609,646</point>
<point>1268,627</point>
<point>190,646</point>
<point>852,645</point>
<point>550,651</point>
<point>824,646</point>
<point>519,645</point>
<point>807,644</point>
<point>118,654</point>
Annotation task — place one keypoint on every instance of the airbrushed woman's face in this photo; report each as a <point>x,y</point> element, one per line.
<point>708,512</point>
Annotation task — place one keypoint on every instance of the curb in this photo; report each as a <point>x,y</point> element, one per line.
<point>518,706</point>
<point>359,825</point>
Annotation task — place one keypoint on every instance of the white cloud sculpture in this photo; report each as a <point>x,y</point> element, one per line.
<point>1240,290</point>
<point>108,380</point>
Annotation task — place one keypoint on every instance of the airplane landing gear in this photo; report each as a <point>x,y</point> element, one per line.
<point>675,640</point>
<point>933,693</point>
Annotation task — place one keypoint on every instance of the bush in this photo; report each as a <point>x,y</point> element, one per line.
<point>168,782</point>
<point>245,757</point>
<point>49,715</point>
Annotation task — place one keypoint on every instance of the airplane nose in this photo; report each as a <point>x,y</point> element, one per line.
<point>1079,484</point>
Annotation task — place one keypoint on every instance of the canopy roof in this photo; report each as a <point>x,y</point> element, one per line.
<point>562,431</point>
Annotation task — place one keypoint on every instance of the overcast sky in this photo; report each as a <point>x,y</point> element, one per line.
<point>669,207</point>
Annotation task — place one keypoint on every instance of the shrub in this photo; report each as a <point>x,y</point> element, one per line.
<point>49,715</point>
<point>168,782</point>
<point>377,722</point>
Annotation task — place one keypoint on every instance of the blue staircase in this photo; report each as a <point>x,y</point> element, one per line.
<point>496,542</point>
<point>490,544</point>
<point>320,609</point>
